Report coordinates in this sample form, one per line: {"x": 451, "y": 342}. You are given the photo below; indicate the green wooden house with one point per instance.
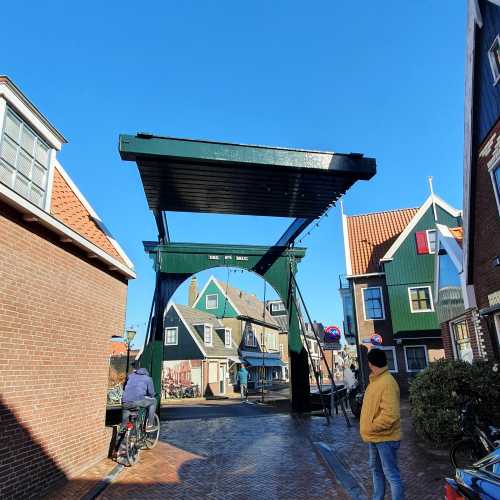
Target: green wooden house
{"x": 390, "y": 261}
{"x": 254, "y": 329}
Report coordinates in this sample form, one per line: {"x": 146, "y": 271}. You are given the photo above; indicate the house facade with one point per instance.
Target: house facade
{"x": 481, "y": 239}
{"x": 62, "y": 297}
{"x": 199, "y": 350}
{"x": 390, "y": 262}
{"x": 255, "y": 331}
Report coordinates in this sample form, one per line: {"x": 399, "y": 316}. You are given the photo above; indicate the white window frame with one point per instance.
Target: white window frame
{"x": 381, "y": 300}
{"x": 430, "y": 297}
{"x": 493, "y": 66}
{"x": 494, "y": 183}
{"x": 426, "y": 357}
{"x": 228, "y": 332}
{"x": 176, "y": 335}
{"x": 216, "y": 295}
{"x": 210, "y": 330}
{"x": 393, "y": 349}
{"x": 277, "y": 307}
{"x": 429, "y": 243}
{"x": 248, "y": 331}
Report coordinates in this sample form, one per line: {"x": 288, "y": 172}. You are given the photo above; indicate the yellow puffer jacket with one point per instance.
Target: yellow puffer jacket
{"x": 380, "y": 417}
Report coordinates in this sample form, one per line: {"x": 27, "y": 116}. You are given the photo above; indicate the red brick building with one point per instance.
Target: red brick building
{"x": 63, "y": 292}
{"x": 481, "y": 269}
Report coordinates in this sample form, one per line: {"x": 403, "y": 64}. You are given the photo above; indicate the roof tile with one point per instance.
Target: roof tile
{"x": 371, "y": 236}
{"x": 66, "y": 206}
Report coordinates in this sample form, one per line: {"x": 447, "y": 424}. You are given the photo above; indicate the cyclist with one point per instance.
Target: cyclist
{"x": 139, "y": 391}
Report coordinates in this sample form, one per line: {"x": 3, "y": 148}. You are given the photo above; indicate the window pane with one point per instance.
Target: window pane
{"x": 420, "y": 299}
{"x": 373, "y": 303}
{"x": 12, "y": 126}
{"x": 36, "y": 196}
{"x": 9, "y": 151}
{"x": 42, "y": 153}
{"x": 390, "y": 359}
{"x": 28, "y": 141}
{"x": 431, "y": 238}
{"x": 211, "y": 302}
{"x": 6, "y": 174}
{"x": 415, "y": 358}
{"x": 24, "y": 164}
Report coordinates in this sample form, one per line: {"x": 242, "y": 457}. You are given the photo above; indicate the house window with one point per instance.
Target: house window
{"x": 416, "y": 358}
{"x": 461, "y": 339}
{"x": 495, "y": 179}
{"x": 392, "y": 363}
{"x": 250, "y": 339}
{"x": 207, "y": 334}
{"x": 431, "y": 240}
{"x": 420, "y": 299}
{"x": 212, "y": 301}
{"x": 171, "y": 336}
{"x": 277, "y": 307}
{"x": 494, "y": 57}
{"x": 24, "y": 160}
{"x": 227, "y": 337}
{"x": 373, "y": 303}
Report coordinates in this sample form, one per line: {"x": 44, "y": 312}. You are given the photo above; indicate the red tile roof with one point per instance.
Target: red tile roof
{"x": 371, "y": 235}
{"x": 117, "y": 348}
{"x": 67, "y": 207}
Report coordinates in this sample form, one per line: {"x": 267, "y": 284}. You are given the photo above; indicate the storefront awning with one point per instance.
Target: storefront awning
{"x": 264, "y": 362}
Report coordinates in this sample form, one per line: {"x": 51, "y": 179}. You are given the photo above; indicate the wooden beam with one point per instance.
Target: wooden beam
{"x": 30, "y": 218}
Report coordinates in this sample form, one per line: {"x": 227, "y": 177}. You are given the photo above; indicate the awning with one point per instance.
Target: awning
{"x": 267, "y": 362}
{"x": 487, "y": 311}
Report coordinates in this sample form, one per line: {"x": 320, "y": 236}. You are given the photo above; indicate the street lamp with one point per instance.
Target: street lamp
{"x": 129, "y": 336}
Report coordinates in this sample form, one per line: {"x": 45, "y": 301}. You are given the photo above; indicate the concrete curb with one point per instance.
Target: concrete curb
{"x": 350, "y": 483}
{"x": 104, "y": 483}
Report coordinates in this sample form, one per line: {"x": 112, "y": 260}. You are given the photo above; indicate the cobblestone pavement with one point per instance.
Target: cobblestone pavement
{"x": 423, "y": 471}
{"x": 231, "y": 450}
{"x": 258, "y": 455}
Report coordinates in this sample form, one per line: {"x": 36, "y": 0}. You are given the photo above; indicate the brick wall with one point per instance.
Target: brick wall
{"x": 486, "y": 229}
{"x": 57, "y": 314}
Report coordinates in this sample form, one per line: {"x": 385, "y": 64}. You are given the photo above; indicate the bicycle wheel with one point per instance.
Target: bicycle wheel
{"x": 151, "y": 438}
{"x": 132, "y": 446}
{"x": 464, "y": 453}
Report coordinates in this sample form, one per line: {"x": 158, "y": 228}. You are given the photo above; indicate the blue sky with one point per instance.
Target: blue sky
{"x": 382, "y": 78}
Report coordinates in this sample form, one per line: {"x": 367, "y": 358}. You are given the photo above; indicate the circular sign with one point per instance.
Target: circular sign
{"x": 376, "y": 339}
{"x": 332, "y": 334}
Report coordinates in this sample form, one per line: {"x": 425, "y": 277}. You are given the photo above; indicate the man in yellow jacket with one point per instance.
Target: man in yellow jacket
{"x": 380, "y": 426}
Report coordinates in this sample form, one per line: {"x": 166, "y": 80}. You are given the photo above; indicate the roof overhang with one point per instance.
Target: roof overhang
{"x": 214, "y": 177}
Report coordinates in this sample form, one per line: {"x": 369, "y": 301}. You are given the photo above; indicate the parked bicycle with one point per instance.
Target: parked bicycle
{"x": 136, "y": 437}
{"x": 355, "y": 396}
{"x": 478, "y": 439}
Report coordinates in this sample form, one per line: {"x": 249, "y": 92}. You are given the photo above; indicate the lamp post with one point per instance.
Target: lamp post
{"x": 129, "y": 336}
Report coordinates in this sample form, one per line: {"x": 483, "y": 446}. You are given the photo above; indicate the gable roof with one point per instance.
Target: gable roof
{"x": 369, "y": 236}
{"x": 193, "y": 317}
{"x": 249, "y": 306}
{"x": 70, "y": 207}
{"x": 432, "y": 199}
{"x": 246, "y": 305}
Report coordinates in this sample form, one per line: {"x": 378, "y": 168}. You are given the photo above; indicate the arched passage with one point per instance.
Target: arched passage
{"x": 177, "y": 262}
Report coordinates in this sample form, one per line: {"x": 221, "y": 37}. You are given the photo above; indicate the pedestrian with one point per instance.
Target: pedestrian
{"x": 243, "y": 381}
{"x": 380, "y": 426}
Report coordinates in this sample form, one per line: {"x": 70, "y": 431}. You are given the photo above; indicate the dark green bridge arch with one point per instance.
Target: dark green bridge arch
{"x": 177, "y": 262}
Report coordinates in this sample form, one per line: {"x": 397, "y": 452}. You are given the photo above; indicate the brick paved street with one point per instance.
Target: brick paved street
{"x": 230, "y": 450}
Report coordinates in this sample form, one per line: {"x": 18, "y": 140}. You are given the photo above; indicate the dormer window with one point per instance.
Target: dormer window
{"x": 494, "y": 57}
{"x": 24, "y": 159}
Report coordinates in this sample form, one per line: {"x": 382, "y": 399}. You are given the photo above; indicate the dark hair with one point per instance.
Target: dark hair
{"x": 377, "y": 358}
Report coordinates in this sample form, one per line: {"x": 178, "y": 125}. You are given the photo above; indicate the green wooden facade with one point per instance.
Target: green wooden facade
{"x": 409, "y": 269}
{"x": 224, "y": 308}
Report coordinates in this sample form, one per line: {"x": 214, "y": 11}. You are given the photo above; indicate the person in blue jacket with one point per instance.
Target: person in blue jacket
{"x": 243, "y": 380}
{"x": 139, "y": 391}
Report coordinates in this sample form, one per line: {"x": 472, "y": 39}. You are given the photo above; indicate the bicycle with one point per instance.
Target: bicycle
{"x": 136, "y": 437}
{"x": 478, "y": 440}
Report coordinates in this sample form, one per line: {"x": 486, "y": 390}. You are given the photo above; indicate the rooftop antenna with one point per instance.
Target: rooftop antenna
{"x": 433, "y": 200}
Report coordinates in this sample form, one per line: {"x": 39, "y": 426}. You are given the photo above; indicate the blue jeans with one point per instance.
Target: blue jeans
{"x": 384, "y": 465}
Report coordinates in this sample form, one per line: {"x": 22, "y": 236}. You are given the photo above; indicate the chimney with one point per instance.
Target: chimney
{"x": 193, "y": 291}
